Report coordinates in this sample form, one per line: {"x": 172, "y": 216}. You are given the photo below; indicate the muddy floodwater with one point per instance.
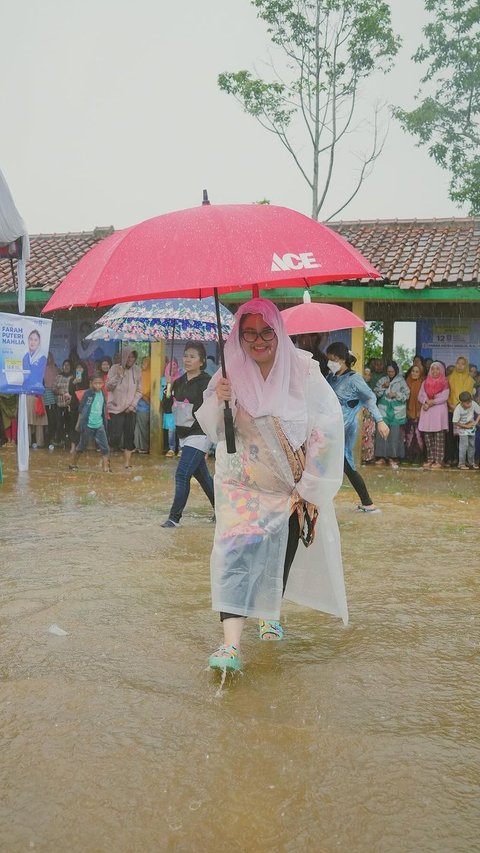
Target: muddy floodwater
{"x": 115, "y": 738}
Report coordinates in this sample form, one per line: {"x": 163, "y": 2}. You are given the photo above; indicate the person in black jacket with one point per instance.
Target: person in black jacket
{"x": 188, "y": 391}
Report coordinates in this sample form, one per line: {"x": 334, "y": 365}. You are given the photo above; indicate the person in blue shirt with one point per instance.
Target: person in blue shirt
{"x": 34, "y": 364}
{"x": 93, "y": 422}
{"x": 353, "y": 394}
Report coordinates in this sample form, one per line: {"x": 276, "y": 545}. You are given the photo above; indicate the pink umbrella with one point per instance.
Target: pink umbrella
{"x": 202, "y": 250}
{"x": 311, "y": 317}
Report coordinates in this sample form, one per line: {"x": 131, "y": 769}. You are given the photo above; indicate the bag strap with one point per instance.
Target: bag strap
{"x": 307, "y": 512}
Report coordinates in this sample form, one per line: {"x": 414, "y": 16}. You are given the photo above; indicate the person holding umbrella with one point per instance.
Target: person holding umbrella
{"x": 289, "y": 439}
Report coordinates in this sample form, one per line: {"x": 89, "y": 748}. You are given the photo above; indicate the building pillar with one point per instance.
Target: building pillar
{"x": 388, "y": 339}
{"x": 358, "y": 335}
{"x": 157, "y": 366}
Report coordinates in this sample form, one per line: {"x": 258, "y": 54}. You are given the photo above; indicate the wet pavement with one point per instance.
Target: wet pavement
{"x": 115, "y": 737}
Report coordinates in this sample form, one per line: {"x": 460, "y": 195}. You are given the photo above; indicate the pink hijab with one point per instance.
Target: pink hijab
{"x": 173, "y": 364}
{"x": 434, "y": 386}
{"x": 283, "y": 393}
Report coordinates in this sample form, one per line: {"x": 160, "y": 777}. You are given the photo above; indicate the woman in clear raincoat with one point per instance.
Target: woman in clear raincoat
{"x": 288, "y": 465}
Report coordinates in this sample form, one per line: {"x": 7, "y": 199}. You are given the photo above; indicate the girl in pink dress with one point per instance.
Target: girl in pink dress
{"x": 433, "y": 420}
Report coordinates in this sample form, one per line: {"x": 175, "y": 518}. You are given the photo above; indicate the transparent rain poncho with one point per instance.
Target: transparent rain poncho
{"x": 253, "y": 489}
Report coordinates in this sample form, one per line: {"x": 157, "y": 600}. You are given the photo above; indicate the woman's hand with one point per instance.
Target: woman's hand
{"x": 224, "y": 390}
{"x": 383, "y": 430}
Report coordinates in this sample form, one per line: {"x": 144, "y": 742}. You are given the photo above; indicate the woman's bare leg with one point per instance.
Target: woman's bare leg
{"x": 232, "y": 630}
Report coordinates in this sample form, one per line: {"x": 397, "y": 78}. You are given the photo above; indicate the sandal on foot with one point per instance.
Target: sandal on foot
{"x": 225, "y": 657}
{"x": 371, "y": 508}
{"x": 270, "y": 630}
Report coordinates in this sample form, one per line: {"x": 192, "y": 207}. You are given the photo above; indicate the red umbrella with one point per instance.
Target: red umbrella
{"x": 201, "y": 250}
{"x": 193, "y": 252}
{"x": 311, "y": 317}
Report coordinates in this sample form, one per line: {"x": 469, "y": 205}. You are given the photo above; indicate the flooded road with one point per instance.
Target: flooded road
{"x": 115, "y": 737}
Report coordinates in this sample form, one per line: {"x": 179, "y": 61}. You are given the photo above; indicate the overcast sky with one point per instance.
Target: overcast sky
{"x": 112, "y": 114}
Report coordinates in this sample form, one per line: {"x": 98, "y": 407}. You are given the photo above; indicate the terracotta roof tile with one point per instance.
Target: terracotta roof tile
{"x": 412, "y": 253}
{"x": 52, "y": 256}
{"x": 419, "y": 253}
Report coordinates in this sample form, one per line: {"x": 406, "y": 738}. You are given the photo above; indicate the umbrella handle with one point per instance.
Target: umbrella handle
{"x": 229, "y": 430}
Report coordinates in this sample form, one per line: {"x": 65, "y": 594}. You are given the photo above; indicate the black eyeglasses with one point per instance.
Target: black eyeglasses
{"x": 250, "y": 335}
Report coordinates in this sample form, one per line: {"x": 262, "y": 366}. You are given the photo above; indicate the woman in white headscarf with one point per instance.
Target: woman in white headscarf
{"x": 288, "y": 464}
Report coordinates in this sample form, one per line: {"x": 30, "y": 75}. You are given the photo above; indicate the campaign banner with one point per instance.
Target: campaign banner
{"x": 24, "y": 344}
{"x": 446, "y": 340}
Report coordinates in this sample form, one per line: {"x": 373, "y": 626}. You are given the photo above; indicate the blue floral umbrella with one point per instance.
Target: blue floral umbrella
{"x": 103, "y": 333}
{"x": 166, "y": 319}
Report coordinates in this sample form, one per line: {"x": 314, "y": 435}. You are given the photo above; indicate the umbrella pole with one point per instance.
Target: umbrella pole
{"x": 168, "y": 389}
{"x": 227, "y": 414}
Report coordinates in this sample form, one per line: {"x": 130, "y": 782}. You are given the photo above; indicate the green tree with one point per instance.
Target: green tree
{"x": 373, "y": 340}
{"x": 447, "y": 119}
{"x": 326, "y": 48}
{"x": 403, "y": 356}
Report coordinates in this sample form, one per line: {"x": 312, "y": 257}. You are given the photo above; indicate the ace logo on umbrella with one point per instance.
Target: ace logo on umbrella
{"x": 291, "y": 261}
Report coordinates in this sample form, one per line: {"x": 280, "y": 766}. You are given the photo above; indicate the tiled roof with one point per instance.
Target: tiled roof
{"x": 412, "y": 253}
{"x": 418, "y": 253}
{"x": 52, "y": 256}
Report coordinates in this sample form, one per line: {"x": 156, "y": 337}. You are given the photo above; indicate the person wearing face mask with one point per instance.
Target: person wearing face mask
{"x": 353, "y": 394}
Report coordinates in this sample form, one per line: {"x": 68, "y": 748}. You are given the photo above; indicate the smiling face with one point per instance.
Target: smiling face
{"x": 260, "y": 350}
{"x": 105, "y": 365}
{"x": 391, "y": 372}
{"x": 435, "y": 371}
{"x": 415, "y": 372}
{"x": 460, "y": 364}
{"x": 33, "y": 342}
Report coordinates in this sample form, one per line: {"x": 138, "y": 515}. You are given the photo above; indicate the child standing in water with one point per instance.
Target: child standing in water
{"x": 93, "y": 422}
{"x": 465, "y": 419}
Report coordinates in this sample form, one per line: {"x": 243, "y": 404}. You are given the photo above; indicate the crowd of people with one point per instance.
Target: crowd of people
{"x": 55, "y": 419}
{"x": 432, "y": 413}
{"x": 427, "y": 416}
{"x": 295, "y": 411}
